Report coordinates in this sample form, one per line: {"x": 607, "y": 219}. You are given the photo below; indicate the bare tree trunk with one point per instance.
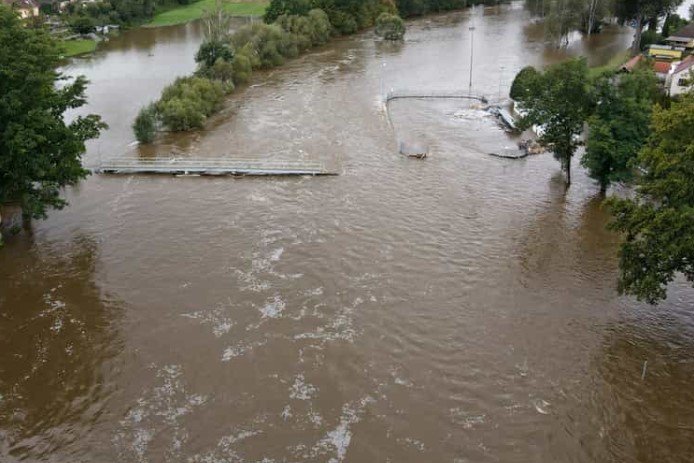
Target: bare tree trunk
{"x": 636, "y": 44}
{"x": 592, "y": 8}
{"x": 568, "y": 172}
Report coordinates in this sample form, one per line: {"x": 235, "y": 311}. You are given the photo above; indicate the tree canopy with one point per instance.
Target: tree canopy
{"x": 39, "y": 151}
{"x": 559, "y": 100}
{"x": 620, "y": 125}
{"x": 659, "y": 223}
{"x": 642, "y": 12}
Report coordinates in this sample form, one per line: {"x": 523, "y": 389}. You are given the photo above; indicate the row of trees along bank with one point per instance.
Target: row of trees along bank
{"x": 635, "y": 135}
{"x": 290, "y": 27}
{"x": 561, "y": 17}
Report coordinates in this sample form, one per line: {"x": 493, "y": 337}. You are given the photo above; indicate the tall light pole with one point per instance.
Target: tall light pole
{"x": 472, "y": 52}
{"x": 501, "y": 77}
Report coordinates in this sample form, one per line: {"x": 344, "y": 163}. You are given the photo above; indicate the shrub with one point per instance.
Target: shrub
{"x": 243, "y": 65}
{"x": 211, "y": 51}
{"x": 278, "y": 8}
{"x": 83, "y": 24}
{"x": 186, "y": 103}
{"x": 145, "y": 125}
{"x": 223, "y": 71}
{"x": 390, "y": 26}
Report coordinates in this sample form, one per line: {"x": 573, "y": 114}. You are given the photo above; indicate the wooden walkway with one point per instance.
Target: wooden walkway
{"x": 209, "y": 166}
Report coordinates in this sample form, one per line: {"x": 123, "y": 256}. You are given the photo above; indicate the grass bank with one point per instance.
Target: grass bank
{"x": 77, "y": 47}
{"x": 614, "y": 62}
{"x": 184, "y": 13}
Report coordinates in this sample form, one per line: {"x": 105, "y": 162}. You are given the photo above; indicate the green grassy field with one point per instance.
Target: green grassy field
{"x": 185, "y": 13}
{"x": 77, "y": 47}
{"x": 616, "y": 61}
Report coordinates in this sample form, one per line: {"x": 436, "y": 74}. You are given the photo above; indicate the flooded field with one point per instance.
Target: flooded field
{"x": 457, "y": 309}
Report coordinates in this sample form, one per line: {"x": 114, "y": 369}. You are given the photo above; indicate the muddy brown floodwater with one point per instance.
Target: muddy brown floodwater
{"x": 457, "y": 309}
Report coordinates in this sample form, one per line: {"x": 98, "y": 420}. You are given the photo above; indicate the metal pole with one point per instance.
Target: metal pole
{"x": 472, "y": 51}
{"x": 501, "y": 74}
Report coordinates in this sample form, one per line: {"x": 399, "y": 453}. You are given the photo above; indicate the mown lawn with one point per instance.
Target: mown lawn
{"x": 185, "y": 13}
{"x": 77, "y": 47}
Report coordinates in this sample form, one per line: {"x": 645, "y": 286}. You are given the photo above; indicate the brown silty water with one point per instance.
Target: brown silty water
{"x": 457, "y": 309}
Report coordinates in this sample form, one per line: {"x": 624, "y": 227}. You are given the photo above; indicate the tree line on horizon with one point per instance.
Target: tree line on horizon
{"x": 561, "y": 17}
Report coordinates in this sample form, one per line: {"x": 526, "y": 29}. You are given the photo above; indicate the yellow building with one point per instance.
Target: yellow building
{"x": 665, "y": 52}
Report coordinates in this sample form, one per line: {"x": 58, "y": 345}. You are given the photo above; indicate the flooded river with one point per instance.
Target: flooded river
{"x": 457, "y": 309}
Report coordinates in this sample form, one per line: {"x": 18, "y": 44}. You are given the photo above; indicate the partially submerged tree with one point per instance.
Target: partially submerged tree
{"x": 390, "y": 26}
{"x": 39, "y": 152}
{"x": 559, "y": 101}
{"x": 619, "y": 126}
{"x": 659, "y": 224}
{"x": 641, "y": 13}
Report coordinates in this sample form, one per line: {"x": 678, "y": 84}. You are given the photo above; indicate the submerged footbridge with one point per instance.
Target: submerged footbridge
{"x": 210, "y": 166}
{"x": 401, "y": 94}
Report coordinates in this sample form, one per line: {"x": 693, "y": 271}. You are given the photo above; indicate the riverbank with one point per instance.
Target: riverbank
{"x": 615, "y": 62}
{"x": 182, "y": 14}
{"x": 78, "y": 47}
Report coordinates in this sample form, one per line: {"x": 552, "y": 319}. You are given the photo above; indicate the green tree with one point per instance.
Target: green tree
{"x": 522, "y": 83}
{"x": 278, "y": 8}
{"x": 145, "y": 125}
{"x": 39, "y": 152}
{"x": 83, "y": 24}
{"x": 659, "y": 223}
{"x": 559, "y": 100}
{"x": 619, "y": 126}
{"x": 390, "y": 26}
{"x": 211, "y": 51}
{"x": 641, "y": 12}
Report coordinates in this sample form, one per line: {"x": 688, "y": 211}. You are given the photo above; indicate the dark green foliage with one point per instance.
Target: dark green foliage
{"x": 124, "y": 12}
{"x": 650, "y": 37}
{"x": 620, "y": 125}
{"x": 642, "y": 12}
{"x": 390, "y": 26}
{"x": 83, "y": 24}
{"x": 673, "y": 22}
{"x": 659, "y": 224}
{"x": 39, "y": 152}
{"x": 279, "y": 8}
{"x": 559, "y": 99}
{"x": 145, "y": 125}
{"x": 523, "y": 82}
{"x": 212, "y": 50}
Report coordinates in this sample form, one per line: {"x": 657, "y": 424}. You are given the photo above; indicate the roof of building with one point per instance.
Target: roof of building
{"x": 687, "y": 63}
{"x": 661, "y": 67}
{"x": 686, "y": 32}
{"x": 632, "y": 63}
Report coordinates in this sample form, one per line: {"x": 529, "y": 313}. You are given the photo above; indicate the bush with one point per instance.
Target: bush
{"x": 83, "y": 24}
{"x": 243, "y": 65}
{"x": 278, "y": 8}
{"x": 211, "y": 51}
{"x": 390, "y": 26}
{"x": 186, "y": 103}
{"x": 145, "y": 125}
